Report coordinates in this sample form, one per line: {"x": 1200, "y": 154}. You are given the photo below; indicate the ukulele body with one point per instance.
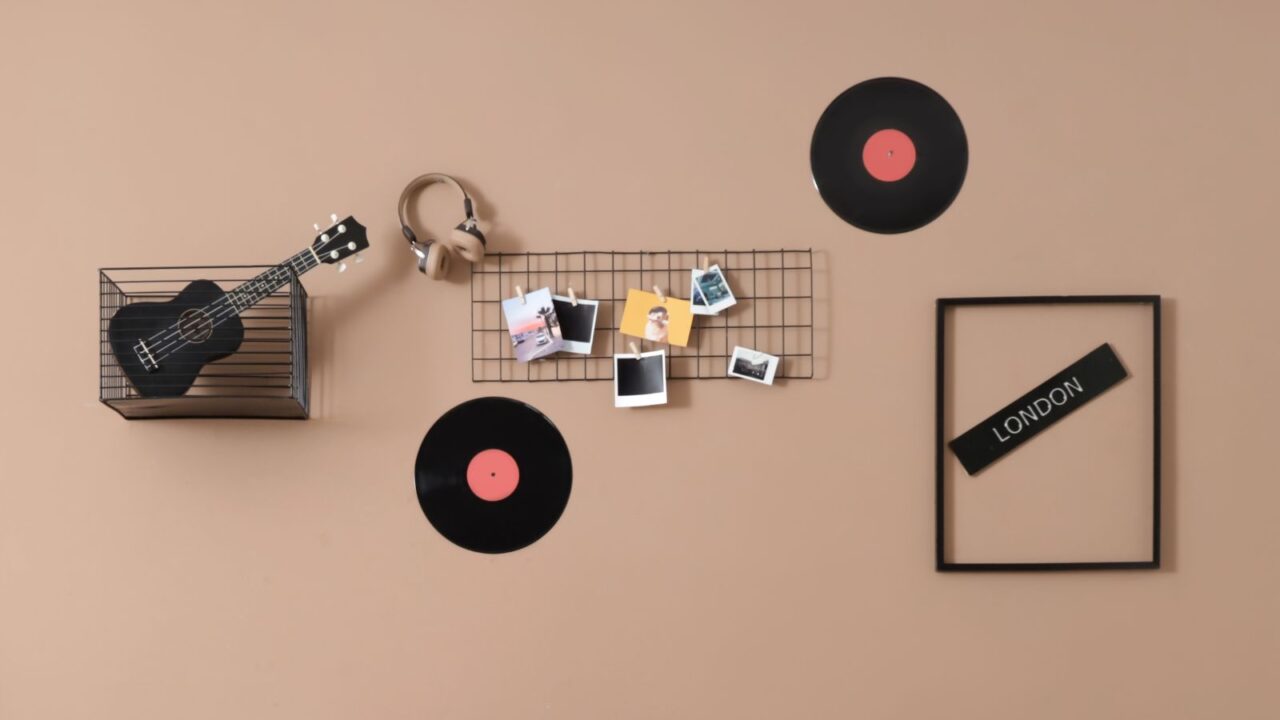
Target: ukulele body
{"x": 189, "y": 338}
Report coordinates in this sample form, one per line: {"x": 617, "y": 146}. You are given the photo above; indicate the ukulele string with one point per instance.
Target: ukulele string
{"x": 176, "y": 328}
{"x": 217, "y": 317}
{"x": 170, "y": 348}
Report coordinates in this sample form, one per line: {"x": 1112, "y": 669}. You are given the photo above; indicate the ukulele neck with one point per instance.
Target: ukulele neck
{"x": 251, "y": 292}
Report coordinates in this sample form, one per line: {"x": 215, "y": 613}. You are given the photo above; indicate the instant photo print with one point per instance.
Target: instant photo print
{"x": 663, "y": 320}
{"x": 710, "y": 293}
{"x": 753, "y": 365}
{"x": 533, "y": 325}
{"x": 577, "y": 323}
{"x": 640, "y": 380}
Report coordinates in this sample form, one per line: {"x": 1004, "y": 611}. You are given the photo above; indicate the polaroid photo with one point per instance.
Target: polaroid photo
{"x": 534, "y": 327}
{"x": 697, "y": 303}
{"x": 665, "y": 321}
{"x": 754, "y": 365}
{"x": 577, "y": 323}
{"x": 640, "y": 381}
{"x": 712, "y": 291}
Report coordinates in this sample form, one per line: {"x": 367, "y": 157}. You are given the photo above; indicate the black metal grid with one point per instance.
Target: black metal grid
{"x": 265, "y": 378}
{"x": 774, "y": 312}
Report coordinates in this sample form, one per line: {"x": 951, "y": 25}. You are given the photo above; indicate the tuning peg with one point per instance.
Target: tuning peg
{"x": 342, "y": 229}
{"x": 359, "y": 258}
{"x": 333, "y": 219}
{"x": 342, "y": 267}
{"x": 316, "y": 226}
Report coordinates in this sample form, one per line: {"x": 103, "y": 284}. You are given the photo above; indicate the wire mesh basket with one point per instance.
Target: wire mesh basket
{"x": 266, "y": 377}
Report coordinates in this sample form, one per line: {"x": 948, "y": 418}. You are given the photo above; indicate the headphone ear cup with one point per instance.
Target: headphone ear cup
{"x": 469, "y": 244}
{"x": 435, "y": 263}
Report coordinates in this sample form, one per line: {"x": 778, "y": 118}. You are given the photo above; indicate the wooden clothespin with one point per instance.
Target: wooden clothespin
{"x": 573, "y": 298}
{"x": 662, "y": 298}
{"x": 520, "y": 293}
{"x": 706, "y": 264}
{"x": 634, "y": 350}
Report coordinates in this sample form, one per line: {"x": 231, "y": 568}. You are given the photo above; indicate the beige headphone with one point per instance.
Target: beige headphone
{"x": 465, "y": 240}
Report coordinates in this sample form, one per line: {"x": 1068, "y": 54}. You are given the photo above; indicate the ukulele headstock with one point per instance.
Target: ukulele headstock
{"x": 341, "y": 240}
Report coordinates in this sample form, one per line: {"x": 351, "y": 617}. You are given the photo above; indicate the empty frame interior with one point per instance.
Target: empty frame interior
{"x": 1082, "y": 490}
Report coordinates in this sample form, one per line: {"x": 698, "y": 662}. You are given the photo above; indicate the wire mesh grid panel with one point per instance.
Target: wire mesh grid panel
{"x": 773, "y": 313}
{"x": 266, "y": 377}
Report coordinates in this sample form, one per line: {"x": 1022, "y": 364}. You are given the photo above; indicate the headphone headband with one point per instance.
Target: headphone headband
{"x": 421, "y": 182}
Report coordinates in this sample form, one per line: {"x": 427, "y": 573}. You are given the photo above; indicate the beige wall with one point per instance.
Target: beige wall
{"x": 273, "y": 569}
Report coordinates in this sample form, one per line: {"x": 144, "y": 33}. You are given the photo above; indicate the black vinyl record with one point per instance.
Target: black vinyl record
{"x": 889, "y": 155}
{"x": 493, "y": 475}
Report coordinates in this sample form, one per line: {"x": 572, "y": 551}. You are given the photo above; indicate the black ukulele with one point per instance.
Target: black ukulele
{"x": 163, "y": 346}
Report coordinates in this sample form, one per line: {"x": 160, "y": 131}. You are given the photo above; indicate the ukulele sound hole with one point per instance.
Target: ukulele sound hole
{"x": 194, "y": 325}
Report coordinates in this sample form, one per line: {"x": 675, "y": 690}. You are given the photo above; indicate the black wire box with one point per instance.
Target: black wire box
{"x": 266, "y": 377}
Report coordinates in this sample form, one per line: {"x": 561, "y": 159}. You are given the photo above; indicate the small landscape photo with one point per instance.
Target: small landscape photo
{"x": 697, "y": 304}
{"x": 753, "y": 365}
{"x": 714, "y": 290}
{"x": 534, "y": 327}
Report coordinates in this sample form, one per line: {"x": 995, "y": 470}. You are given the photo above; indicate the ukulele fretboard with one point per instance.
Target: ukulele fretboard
{"x": 253, "y": 291}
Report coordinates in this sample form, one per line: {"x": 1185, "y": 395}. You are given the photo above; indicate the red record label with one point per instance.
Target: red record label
{"x": 493, "y": 474}
{"x": 889, "y": 155}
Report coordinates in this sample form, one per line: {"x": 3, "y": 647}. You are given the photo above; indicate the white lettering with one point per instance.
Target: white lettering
{"x": 1009, "y": 428}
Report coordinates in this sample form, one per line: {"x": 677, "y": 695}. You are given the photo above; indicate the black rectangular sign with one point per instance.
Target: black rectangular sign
{"x": 1029, "y": 415}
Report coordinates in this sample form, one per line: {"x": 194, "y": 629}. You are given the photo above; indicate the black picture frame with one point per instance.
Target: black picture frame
{"x": 943, "y": 306}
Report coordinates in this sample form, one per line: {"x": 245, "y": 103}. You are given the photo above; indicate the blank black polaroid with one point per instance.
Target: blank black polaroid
{"x": 1047, "y": 434}
{"x": 577, "y": 323}
{"x": 640, "y": 380}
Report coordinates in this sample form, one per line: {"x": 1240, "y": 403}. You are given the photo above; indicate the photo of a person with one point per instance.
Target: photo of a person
{"x": 665, "y": 319}
{"x": 656, "y": 328}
